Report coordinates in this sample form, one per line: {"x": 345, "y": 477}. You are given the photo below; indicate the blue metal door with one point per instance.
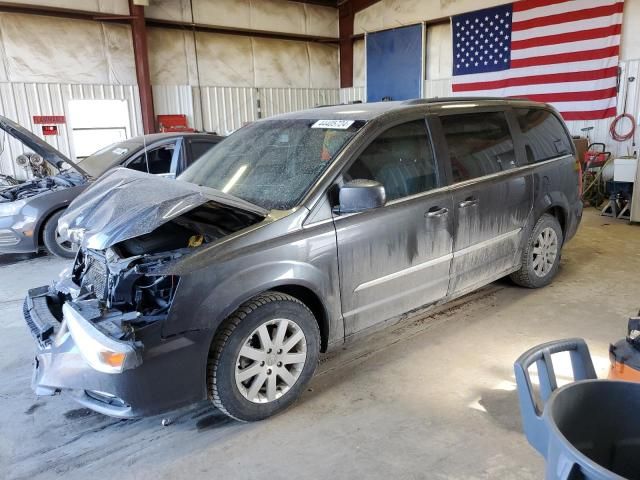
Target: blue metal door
{"x": 394, "y": 64}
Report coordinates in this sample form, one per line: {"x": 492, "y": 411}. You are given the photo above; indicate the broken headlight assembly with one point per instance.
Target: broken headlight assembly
{"x": 113, "y": 299}
{"x": 102, "y": 352}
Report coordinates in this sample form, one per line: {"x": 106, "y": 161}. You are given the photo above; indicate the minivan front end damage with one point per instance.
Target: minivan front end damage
{"x": 99, "y": 328}
{"x": 98, "y": 333}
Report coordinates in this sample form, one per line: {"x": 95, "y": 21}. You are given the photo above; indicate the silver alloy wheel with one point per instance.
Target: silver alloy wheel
{"x": 64, "y": 244}
{"x": 545, "y": 251}
{"x": 271, "y": 360}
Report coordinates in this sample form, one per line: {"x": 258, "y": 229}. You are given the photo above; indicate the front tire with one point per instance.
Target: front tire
{"x": 52, "y": 241}
{"x": 541, "y": 255}
{"x": 262, "y": 357}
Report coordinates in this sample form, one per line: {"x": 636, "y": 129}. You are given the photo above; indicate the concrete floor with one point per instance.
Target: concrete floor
{"x": 431, "y": 397}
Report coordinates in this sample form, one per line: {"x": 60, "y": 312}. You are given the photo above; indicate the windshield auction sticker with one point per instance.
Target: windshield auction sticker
{"x": 333, "y": 124}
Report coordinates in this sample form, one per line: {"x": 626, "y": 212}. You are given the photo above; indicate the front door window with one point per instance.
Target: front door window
{"x": 401, "y": 159}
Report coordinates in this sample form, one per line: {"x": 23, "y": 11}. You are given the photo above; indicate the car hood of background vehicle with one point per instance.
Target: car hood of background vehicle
{"x": 125, "y": 204}
{"x": 50, "y": 155}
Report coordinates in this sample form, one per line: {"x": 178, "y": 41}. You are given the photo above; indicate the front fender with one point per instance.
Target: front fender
{"x": 225, "y": 293}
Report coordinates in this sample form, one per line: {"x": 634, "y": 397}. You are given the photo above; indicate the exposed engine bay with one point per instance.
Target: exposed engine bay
{"x": 36, "y": 186}
{"x": 8, "y": 181}
{"x": 125, "y": 287}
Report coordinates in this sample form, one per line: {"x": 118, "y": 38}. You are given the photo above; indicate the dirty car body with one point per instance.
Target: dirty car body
{"x": 164, "y": 266}
{"x": 26, "y": 208}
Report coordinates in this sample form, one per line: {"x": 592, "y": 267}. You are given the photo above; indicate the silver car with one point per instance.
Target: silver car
{"x": 29, "y": 211}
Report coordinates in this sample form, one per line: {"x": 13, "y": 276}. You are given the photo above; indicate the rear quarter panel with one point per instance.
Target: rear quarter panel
{"x": 556, "y": 185}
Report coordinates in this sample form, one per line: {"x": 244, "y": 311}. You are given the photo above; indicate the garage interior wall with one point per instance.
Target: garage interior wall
{"x": 231, "y": 73}
{"x": 220, "y": 81}
{"x": 46, "y": 61}
{"x": 394, "y": 13}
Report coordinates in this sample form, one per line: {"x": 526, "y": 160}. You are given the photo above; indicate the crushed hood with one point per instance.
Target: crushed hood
{"x": 124, "y": 204}
{"x": 50, "y": 155}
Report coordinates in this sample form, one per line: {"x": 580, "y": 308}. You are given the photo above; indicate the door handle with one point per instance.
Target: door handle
{"x": 468, "y": 202}
{"x": 436, "y": 212}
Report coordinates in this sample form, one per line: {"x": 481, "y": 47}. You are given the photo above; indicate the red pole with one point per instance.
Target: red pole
{"x": 345, "y": 24}
{"x": 141, "y": 56}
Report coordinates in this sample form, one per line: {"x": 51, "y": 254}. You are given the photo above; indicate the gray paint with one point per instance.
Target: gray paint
{"x": 394, "y": 259}
{"x": 362, "y": 268}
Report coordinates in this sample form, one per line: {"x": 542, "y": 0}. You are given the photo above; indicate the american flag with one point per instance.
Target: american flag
{"x": 562, "y": 52}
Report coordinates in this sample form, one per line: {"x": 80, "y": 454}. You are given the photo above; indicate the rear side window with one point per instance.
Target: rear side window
{"x": 479, "y": 144}
{"x": 401, "y": 159}
{"x": 545, "y": 137}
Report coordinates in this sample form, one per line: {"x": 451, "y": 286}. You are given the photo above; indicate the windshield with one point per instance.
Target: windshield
{"x": 272, "y": 163}
{"x": 99, "y": 162}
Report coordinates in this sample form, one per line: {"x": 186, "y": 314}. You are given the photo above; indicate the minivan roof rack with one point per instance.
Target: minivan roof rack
{"x": 422, "y": 101}
{"x": 352, "y": 102}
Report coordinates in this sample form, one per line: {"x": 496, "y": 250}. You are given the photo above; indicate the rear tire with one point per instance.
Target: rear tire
{"x": 541, "y": 255}
{"x": 52, "y": 242}
{"x": 262, "y": 357}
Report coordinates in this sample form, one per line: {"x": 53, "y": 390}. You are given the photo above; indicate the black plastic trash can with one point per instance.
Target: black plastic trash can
{"x": 589, "y": 429}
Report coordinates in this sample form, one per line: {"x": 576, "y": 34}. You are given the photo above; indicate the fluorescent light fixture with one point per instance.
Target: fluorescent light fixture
{"x": 234, "y": 179}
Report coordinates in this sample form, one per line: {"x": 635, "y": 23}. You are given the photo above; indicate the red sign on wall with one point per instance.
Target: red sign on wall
{"x": 45, "y": 119}
{"x": 49, "y": 130}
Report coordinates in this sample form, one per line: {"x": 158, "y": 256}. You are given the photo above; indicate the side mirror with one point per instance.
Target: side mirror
{"x": 360, "y": 195}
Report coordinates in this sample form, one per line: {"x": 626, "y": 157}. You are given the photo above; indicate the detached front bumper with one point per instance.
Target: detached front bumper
{"x": 171, "y": 372}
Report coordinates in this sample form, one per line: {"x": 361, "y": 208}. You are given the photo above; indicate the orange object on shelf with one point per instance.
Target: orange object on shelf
{"x": 174, "y": 123}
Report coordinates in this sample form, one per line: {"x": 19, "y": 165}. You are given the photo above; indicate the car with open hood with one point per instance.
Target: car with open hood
{"x": 29, "y": 211}
{"x": 295, "y": 234}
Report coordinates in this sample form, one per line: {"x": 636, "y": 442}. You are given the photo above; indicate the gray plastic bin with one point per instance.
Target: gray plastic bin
{"x": 589, "y": 429}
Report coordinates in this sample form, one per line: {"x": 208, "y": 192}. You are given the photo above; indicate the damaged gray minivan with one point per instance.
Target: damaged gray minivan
{"x": 291, "y": 236}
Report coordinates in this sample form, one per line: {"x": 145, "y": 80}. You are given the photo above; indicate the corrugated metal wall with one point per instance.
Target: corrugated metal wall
{"x": 21, "y": 101}
{"x": 274, "y": 101}
{"x": 173, "y": 99}
{"x": 225, "y": 109}
{"x": 353, "y": 94}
